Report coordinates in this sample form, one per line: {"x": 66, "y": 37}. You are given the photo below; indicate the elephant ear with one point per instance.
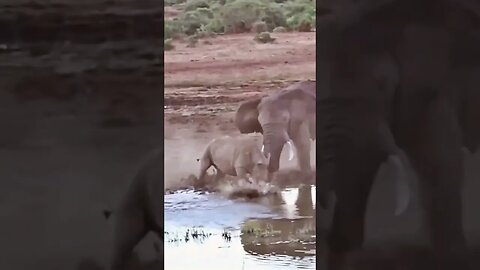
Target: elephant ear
{"x": 246, "y": 117}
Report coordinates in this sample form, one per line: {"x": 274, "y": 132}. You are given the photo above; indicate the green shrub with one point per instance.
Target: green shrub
{"x": 174, "y": 2}
{"x": 274, "y": 16}
{"x": 205, "y": 18}
{"x": 301, "y": 22}
{"x": 202, "y": 32}
{"x": 264, "y": 37}
{"x": 301, "y": 15}
{"x": 259, "y": 27}
{"x": 215, "y": 26}
{"x": 191, "y": 21}
{"x": 280, "y": 29}
{"x": 296, "y": 7}
{"x": 195, "y": 4}
{"x": 172, "y": 29}
{"x": 168, "y": 45}
{"x": 240, "y": 15}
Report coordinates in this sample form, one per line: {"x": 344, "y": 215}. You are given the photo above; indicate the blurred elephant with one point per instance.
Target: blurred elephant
{"x": 415, "y": 102}
{"x": 282, "y": 116}
{"x": 139, "y": 212}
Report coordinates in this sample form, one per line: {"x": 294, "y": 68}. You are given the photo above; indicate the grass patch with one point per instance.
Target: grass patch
{"x": 256, "y": 229}
{"x": 190, "y": 234}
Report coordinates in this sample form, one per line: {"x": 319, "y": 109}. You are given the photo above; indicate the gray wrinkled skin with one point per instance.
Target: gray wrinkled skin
{"x": 287, "y": 115}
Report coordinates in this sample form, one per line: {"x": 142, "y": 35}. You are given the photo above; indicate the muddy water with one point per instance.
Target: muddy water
{"x": 208, "y": 231}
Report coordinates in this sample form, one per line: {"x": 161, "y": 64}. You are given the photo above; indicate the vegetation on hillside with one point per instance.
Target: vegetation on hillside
{"x": 206, "y": 18}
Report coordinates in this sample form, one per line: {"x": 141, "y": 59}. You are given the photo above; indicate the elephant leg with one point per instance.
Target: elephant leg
{"x": 204, "y": 165}
{"x": 301, "y": 140}
{"x": 353, "y": 181}
{"x": 129, "y": 230}
{"x": 219, "y": 175}
{"x": 312, "y": 128}
{"x": 241, "y": 172}
{"x": 324, "y": 184}
{"x": 438, "y": 160}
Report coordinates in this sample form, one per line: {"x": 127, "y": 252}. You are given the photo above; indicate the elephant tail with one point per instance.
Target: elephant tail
{"x": 402, "y": 188}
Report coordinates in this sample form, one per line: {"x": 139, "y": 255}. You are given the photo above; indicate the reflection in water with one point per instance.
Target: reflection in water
{"x": 292, "y": 236}
{"x": 274, "y": 232}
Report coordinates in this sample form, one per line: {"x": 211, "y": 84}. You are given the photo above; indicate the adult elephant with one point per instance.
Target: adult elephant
{"x": 286, "y": 115}
{"x": 426, "y": 115}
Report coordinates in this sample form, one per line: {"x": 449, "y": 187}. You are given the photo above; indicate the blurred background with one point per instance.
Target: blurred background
{"x": 80, "y": 107}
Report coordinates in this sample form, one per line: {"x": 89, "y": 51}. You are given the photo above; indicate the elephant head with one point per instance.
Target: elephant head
{"x": 283, "y": 117}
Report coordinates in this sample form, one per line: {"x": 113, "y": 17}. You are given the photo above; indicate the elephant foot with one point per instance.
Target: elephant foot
{"x": 452, "y": 262}
{"x": 199, "y": 186}
{"x": 308, "y": 177}
{"x": 270, "y": 177}
{"x": 337, "y": 261}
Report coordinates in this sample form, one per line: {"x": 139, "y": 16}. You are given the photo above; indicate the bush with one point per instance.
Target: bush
{"x": 205, "y": 18}
{"x": 191, "y": 21}
{"x": 301, "y": 15}
{"x": 172, "y": 29}
{"x": 280, "y": 29}
{"x": 195, "y": 4}
{"x": 240, "y": 15}
{"x": 296, "y": 7}
{"x": 167, "y": 45}
{"x": 259, "y": 27}
{"x": 264, "y": 37}
{"x": 202, "y": 32}
{"x": 173, "y": 2}
{"x": 215, "y": 26}
{"x": 301, "y": 22}
{"x": 274, "y": 17}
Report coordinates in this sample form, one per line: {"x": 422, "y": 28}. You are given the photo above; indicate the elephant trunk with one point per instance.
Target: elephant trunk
{"x": 273, "y": 141}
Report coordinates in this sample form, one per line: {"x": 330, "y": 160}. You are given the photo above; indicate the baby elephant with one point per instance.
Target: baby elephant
{"x": 236, "y": 156}
{"x": 139, "y": 212}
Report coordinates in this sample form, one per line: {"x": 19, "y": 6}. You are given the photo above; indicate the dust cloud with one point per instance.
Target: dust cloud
{"x": 184, "y": 146}
{"x": 182, "y": 149}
